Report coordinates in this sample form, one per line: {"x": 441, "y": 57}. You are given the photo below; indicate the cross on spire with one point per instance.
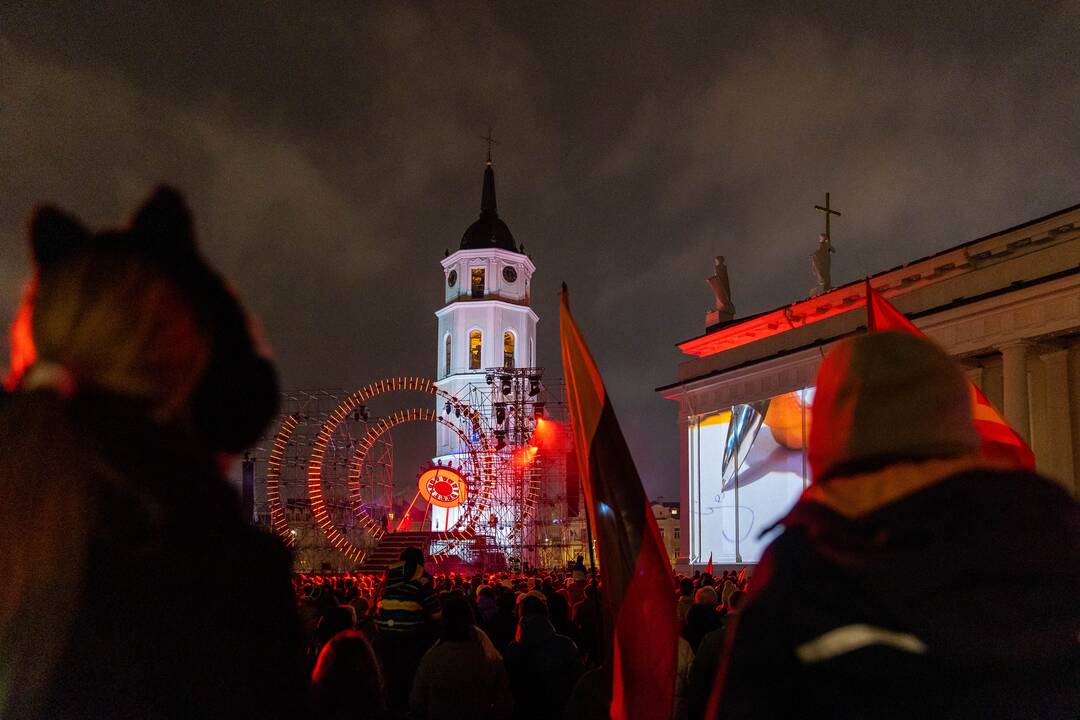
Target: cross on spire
{"x": 490, "y": 141}
{"x": 828, "y": 211}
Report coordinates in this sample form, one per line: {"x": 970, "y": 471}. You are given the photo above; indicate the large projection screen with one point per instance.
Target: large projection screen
{"x": 747, "y": 468}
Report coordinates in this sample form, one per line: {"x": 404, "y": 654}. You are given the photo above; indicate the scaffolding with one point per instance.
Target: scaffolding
{"x": 281, "y": 463}
{"x": 535, "y": 514}
{"x": 514, "y": 440}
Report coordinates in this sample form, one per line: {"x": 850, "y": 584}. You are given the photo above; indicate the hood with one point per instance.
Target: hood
{"x": 885, "y": 397}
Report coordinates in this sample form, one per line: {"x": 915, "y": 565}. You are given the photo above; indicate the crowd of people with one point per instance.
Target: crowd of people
{"x": 912, "y": 579}
{"x": 497, "y": 645}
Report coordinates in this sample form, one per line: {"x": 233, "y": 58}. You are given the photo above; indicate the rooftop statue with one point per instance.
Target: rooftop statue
{"x": 721, "y": 288}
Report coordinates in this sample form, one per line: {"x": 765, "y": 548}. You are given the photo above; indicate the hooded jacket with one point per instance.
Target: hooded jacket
{"x": 906, "y": 586}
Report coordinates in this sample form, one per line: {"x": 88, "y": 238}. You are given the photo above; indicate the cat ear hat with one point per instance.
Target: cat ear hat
{"x": 238, "y": 393}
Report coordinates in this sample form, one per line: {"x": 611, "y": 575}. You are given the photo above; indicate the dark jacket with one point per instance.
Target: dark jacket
{"x": 543, "y": 668}
{"x": 955, "y": 597}
{"x": 461, "y": 680}
{"x": 175, "y": 608}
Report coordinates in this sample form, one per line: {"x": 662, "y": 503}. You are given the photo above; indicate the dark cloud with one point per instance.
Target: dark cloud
{"x": 332, "y": 152}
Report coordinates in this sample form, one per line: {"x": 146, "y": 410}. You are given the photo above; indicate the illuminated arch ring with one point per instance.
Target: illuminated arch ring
{"x": 476, "y": 502}
{"x": 278, "y": 521}
{"x": 347, "y": 406}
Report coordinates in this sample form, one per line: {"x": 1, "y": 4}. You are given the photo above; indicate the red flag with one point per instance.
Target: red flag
{"x": 637, "y": 581}
{"x": 708, "y": 568}
{"x": 1000, "y": 442}
{"x": 742, "y": 576}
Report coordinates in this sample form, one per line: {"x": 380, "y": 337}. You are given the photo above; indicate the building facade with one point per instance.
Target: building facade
{"x": 1006, "y": 306}
{"x": 668, "y": 519}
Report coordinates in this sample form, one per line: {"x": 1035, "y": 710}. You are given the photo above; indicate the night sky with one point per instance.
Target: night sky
{"x": 331, "y": 153}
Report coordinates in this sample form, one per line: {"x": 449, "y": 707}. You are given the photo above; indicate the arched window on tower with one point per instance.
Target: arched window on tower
{"x": 478, "y": 282}
{"x": 449, "y": 346}
{"x": 508, "y": 350}
{"x": 474, "y": 349}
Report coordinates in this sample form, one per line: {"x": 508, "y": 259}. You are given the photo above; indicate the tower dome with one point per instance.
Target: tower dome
{"x": 489, "y": 231}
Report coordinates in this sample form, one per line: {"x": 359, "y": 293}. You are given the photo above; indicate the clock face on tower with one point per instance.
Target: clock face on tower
{"x": 451, "y": 279}
{"x": 509, "y": 274}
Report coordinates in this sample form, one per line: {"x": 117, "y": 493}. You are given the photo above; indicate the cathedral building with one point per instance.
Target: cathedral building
{"x": 1006, "y": 306}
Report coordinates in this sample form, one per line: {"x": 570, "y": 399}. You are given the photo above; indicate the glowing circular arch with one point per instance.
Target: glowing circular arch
{"x": 352, "y": 403}
{"x": 364, "y": 445}
{"x": 278, "y": 521}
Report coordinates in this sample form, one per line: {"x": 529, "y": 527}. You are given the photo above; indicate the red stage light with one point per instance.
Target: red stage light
{"x": 525, "y": 456}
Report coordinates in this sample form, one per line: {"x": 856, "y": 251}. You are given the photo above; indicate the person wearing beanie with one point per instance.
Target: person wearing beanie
{"x": 883, "y": 596}
{"x": 113, "y": 509}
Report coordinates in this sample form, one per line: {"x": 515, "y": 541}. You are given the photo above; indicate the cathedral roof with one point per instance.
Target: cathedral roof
{"x": 489, "y": 231}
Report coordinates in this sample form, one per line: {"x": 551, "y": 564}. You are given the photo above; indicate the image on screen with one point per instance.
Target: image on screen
{"x": 747, "y": 468}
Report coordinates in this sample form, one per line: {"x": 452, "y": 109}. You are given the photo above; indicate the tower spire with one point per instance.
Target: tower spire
{"x": 490, "y": 141}
{"x": 487, "y": 198}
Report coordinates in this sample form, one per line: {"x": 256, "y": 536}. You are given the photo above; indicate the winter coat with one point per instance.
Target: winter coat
{"x": 935, "y": 589}
{"x": 543, "y": 668}
{"x": 461, "y": 680}
{"x": 173, "y": 607}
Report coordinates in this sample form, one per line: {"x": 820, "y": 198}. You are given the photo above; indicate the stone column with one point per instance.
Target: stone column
{"x": 1015, "y": 382}
{"x": 1059, "y": 463}
{"x": 686, "y": 505}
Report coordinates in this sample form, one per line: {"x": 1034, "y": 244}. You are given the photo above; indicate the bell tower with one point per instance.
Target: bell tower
{"x": 486, "y": 322}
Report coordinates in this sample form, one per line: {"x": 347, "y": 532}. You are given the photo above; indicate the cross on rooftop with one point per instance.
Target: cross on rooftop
{"x": 827, "y": 210}
{"x": 490, "y": 141}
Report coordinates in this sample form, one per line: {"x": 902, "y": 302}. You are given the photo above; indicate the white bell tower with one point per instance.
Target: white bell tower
{"x": 486, "y": 321}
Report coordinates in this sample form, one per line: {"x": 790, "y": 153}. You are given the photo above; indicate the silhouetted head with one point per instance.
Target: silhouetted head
{"x": 347, "y": 675}
{"x": 457, "y": 618}
{"x": 138, "y": 313}
{"x": 412, "y": 556}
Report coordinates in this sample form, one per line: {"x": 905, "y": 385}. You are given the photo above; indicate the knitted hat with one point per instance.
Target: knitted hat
{"x": 888, "y": 397}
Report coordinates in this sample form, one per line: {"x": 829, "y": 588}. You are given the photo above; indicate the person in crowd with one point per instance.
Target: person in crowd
{"x": 338, "y": 619}
{"x": 686, "y": 598}
{"x": 462, "y": 675}
{"x": 591, "y": 697}
{"x": 559, "y": 614}
{"x": 727, "y": 587}
{"x": 543, "y": 665}
{"x": 504, "y": 623}
{"x": 136, "y": 377}
{"x": 588, "y": 621}
{"x": 406, "y": 619}
{"x": 347, "y": 681}
{"x": 579, "y": 571}
{"x": 702, "y": 618}
{"x": 699, "y": 681}
{"x": 886, "y": 593}
{"x": 575, "y": 588}
{"x": 486, "y": 607}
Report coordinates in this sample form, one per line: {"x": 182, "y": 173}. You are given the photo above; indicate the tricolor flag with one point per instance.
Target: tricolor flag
{"x": 1000, "y": 442}
{"x": 638, "y": 586}
{"x": 708, "y": 568}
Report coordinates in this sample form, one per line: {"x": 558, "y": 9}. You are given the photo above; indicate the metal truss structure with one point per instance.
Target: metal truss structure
{"x": 533, "y": 519}
{"x": 283, "y": 501}
{"x": 329, "y": 472}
